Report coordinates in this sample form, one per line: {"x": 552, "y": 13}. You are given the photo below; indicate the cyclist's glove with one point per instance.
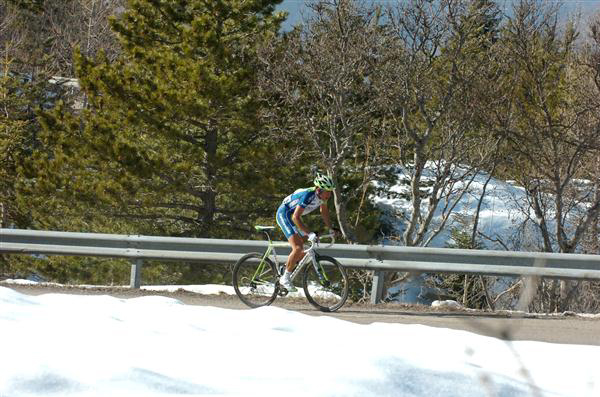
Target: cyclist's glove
{"x": 312, "y": 237}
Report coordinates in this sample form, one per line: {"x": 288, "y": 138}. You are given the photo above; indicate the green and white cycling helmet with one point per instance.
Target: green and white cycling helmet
{"x": 324, "y": 182}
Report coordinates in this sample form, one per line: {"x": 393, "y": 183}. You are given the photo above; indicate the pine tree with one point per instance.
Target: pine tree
{"x": 172, "y": 139}
{"x": 16, "y": 143}
{"x": 23, "y": 88}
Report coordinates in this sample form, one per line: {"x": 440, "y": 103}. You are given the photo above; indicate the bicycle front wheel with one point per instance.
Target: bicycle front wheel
{"x": 255, "y": 280}
{"x": 326, "y": 284}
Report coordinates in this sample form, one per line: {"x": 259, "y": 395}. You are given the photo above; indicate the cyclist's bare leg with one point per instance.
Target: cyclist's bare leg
{"x": 297, "y": 244}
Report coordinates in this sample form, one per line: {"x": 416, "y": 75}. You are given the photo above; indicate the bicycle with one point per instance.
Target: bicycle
{"x": 256, "y": 276}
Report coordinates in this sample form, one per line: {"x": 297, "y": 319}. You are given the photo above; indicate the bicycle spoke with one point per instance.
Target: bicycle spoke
{"x": 254, "y": 280}
{"x": 326, "y": 287}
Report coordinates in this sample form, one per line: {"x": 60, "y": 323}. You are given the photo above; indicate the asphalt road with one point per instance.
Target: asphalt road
{"x": 509, "y": 326}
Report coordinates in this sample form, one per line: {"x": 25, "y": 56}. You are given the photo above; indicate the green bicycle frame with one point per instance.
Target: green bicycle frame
{"x": 262, "y": 263}
{"x": 310, "y": 255}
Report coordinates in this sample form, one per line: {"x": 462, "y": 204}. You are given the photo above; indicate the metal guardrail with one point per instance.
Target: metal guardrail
{"x": 369, "y": 257}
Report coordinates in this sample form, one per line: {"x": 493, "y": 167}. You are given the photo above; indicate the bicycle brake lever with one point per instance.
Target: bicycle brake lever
{"x": 329, "y": 236}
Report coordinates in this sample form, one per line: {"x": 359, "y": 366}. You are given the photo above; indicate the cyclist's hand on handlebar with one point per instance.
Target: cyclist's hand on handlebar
{"x": 312, "y": 237}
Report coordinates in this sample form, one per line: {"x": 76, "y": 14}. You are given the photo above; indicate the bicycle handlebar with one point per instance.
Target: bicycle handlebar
{"x": 318, "y": 240}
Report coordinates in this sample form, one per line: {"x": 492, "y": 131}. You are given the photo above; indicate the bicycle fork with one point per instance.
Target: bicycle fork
{"x": 323, "y": 280}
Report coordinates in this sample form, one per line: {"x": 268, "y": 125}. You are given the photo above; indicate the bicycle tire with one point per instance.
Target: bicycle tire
{"x": 255, "y": 287}
{"x": 330, "y": 293}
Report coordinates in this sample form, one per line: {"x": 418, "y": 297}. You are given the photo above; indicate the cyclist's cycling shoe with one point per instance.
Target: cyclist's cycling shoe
{"x": 286, "y": 283}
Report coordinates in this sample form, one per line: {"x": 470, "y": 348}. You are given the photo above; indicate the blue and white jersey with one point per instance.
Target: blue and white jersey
{"x": 305, "y": 198}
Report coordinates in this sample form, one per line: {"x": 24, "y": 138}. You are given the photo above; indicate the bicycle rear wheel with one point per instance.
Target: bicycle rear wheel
{"x": 326, "y": 290}
{"x": 255, "y": 280}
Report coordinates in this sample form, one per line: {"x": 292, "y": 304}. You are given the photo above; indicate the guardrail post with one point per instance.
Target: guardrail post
{"x": 136, "y": 273}
{"x": 377, "y": 288}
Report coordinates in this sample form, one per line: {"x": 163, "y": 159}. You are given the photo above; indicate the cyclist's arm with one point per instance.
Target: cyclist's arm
{"x": 298, "y": 222}
{"x": 325, "y": 215}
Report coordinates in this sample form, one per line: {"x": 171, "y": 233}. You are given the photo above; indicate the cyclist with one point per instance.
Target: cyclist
{"x": 288, "y": 217}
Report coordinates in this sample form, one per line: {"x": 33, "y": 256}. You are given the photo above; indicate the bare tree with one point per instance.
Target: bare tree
{"x": 553, "y": 131}
{"x": 84, "y": 24}
{"x": 589, "y": 292}
{"x": 429, "y": 94}
{"x": 52, "y": 30}
{"x": 438, "y": 59}
{"x": 321, "y": 74}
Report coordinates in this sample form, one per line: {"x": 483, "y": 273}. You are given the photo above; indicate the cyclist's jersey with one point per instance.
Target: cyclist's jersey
{"x": 305, "y": 198}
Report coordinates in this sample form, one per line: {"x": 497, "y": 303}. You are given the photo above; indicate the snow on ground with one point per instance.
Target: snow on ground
{"x": 215, "y": 289}
{"x": 65, "y": 345}
{"x": 206, "y": 289}
{"x": 501, "y": 210}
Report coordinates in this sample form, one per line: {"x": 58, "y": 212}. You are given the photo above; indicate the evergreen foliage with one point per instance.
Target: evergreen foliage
{"x": 17, "y": 141}
{"x": 171, "y": 140}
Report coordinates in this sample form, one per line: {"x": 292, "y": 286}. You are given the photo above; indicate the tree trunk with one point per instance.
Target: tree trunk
{"x": 465, "y": 298}
{"x": 342, "y": 216}
{"x": 209, "y": 194}
{"x": 415, "y": 184}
